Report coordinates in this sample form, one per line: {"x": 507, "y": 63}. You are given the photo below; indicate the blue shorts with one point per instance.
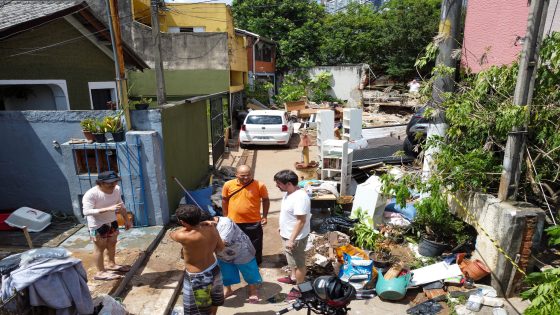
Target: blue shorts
{"x": 230, "y": 272}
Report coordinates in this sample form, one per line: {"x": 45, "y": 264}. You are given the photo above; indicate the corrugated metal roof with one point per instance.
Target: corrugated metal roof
{"x": 20, "y": 11}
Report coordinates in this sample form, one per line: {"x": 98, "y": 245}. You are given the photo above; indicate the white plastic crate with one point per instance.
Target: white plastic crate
{"x": 35, "y": 220}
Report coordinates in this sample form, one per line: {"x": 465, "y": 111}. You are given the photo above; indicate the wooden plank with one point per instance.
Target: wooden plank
{"x": 156, "y": 286}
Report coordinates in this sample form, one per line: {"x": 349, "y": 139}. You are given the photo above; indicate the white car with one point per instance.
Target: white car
{"x": 267, "y": 127}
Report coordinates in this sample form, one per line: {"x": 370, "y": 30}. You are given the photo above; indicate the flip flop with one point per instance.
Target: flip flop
{"x": 107, "y": 277}
{"x": 120, "y": 268}
{"x": 253, "y": 299}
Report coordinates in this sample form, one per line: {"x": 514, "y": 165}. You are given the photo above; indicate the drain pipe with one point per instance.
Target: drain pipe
{"x": 254, "y": 60}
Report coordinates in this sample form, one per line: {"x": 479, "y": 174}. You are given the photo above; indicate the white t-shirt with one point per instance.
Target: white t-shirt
{"x": 93, "y": 200}
{"x": 296, "y": 203}
{"x": 414, "y": 87}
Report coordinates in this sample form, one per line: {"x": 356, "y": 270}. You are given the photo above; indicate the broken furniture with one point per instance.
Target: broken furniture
{"x": 336, "y": 164}
{"x": 352, "y": 124}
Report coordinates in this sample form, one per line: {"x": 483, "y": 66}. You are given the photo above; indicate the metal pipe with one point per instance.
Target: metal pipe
{"x": 116, "y": 60}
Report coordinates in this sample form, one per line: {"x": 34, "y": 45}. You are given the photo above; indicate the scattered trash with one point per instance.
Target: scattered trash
{"x": 107, "y": 305}
{"x": 434, "y": 272}
{"x": 474, "y": 303}
{"x": 429, "y": 307}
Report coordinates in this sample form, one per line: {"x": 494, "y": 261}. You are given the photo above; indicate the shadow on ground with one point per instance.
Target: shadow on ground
{"x": 240, "y": 296}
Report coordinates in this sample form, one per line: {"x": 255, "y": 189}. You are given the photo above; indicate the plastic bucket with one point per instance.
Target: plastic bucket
{"x": 392, "y": 289}
{"x": 429, "y": 248}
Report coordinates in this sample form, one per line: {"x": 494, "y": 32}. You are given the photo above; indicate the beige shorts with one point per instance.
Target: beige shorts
{"x": 296, "y": 256}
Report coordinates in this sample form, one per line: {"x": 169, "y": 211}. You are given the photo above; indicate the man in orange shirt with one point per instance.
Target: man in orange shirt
{"x": 241, "y": 202}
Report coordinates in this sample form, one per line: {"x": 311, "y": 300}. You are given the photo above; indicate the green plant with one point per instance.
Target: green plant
{"x": 260, "y": 91}
{"x": 294, "y": 87}
{"x": 112, "y": 123}
{"x": 141, "y": 100}
{"x": 100, "y": 126}
{"x": 320, "y": 86}
{"x": 88, "y": 124}
{"x": 544, "y": 293}
{"x": 364, "y": 236}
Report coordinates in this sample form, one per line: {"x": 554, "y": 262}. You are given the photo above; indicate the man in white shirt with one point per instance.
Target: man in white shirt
{"x": 295, "y": 217}
{"x": 414, "y": 87}
{"x": 101, "y": 204}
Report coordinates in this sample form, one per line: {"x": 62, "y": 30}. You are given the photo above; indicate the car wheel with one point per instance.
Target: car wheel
{"x": 409, "y": 147}
{"x": 242, "y": 145}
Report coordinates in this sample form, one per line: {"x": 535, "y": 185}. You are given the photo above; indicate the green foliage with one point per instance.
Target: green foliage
{"x": 554, "y": 235}
{"x": 88, "y": 124}
{"x": 388, "y": 39}
{"x": 320, "y": 86}
{"x": 294, "y": 87}
{"x": 544, "y": 293}
{"x": 363, "y": 234}
{"x": 259, "y": 91}
{"x": 433, "y": 217}
{"x": 112, "y": 123}
{"x": 294, "y": 24}
{"x": 141, "y": 100}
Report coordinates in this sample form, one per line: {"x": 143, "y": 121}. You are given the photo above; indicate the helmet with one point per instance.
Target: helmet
{"x": 333, "y": 291}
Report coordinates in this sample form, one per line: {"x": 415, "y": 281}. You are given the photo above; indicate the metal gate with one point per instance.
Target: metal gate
{"x": 122, "y": 157}
{"x": 217, "y": 128}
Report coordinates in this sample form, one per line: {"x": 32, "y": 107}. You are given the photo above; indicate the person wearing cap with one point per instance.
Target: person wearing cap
{"x": 100, "y": 206}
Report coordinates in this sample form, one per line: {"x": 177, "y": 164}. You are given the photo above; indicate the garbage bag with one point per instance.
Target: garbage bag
{"x": 430, "y": 307}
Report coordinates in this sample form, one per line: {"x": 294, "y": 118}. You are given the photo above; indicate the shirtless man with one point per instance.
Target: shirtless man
{"x": 203, "y": 289}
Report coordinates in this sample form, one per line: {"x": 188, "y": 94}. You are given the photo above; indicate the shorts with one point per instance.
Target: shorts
{"x": 202, "y": 290}
{"x": 296, "y": 256}
{"x": 106, "y": 230}
{"x": 249, "y": 271}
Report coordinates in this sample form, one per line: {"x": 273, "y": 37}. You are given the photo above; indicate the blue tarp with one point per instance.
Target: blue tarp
{"x": 202, "y": 198}
{"x": 408, "y": 212}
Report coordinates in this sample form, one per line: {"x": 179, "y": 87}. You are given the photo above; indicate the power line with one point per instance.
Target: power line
{"x": 60, "y": 43}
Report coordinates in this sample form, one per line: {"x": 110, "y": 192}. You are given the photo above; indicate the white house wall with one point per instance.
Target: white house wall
{"x": 345, "y": 82}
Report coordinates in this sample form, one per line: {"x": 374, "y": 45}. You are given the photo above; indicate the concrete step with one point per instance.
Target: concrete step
{"x": 154, "y": 287}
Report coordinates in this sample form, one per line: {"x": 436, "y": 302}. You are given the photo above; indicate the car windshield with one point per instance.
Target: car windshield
{"x": 264, "y": 120}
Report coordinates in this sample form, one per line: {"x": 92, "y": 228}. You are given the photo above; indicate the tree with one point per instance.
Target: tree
{"x": 294, "y": 24}
{"x": 407, "y": 27}
{"x": 351, "y": 36}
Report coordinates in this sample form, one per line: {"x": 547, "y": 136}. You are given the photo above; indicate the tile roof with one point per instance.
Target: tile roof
{"x": 20, "y": 11}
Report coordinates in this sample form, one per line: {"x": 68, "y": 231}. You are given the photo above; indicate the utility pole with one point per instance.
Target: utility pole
{"x": 156, "y": 36}
{"x": 116, "y": 42}
{"x": 515, "y": 147}
{"x": 448, "y": 30}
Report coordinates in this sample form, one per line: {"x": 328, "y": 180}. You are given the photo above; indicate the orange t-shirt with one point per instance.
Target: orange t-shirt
{"x": 245, "y": 206}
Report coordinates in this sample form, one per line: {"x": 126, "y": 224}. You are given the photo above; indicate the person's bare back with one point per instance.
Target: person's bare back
{"x": 199, "y": 245}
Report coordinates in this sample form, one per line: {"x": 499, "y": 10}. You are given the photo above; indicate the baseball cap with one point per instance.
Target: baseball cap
{"x": 108, "y": 177}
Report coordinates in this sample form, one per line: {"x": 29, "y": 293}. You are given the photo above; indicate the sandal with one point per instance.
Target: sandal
{"x": 254, "y": 299}
{"x": 107, "y": 276}
{"x": 287, "y": 280}
{"x": 120, "y": 268}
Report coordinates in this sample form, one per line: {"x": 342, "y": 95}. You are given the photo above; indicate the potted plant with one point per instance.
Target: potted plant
{"x": 113, "y": 124}
{"x": 88, "y": 127}
{"x": 100, "y": 130}
{"x": 141, "y": 104}
{"x": 439, "y": 229}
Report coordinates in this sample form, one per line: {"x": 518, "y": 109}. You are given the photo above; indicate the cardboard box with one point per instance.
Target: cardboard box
{"x": 297, "y": 105}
